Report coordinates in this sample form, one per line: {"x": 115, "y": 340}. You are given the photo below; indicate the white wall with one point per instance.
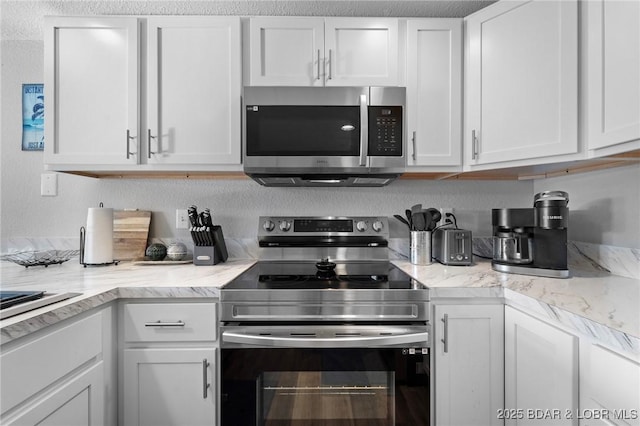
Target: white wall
{"x": 604, "y": 206}
{"x": 236, "y": 204}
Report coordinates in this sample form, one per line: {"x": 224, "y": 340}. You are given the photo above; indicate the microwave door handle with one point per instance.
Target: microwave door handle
{"x": 364, "y": 130}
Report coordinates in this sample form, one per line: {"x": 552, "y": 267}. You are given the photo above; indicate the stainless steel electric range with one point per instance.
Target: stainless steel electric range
{"x": 324, "y": 330}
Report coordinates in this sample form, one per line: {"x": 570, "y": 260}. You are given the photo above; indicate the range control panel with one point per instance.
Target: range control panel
{"x": 324, "y": 226}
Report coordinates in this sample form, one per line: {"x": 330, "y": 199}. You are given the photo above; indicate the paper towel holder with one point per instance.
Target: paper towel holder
{"x": 83, "y": 240}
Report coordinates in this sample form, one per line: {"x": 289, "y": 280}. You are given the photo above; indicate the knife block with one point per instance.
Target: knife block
{"x": 203, "y": 252}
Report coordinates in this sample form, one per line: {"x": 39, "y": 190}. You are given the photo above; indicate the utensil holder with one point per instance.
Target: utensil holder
{"x": 209, "y": 246}
{"x": 420, "y": 247}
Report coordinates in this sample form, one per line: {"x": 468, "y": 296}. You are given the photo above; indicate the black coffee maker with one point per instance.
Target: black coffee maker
{"x": 532, "y": 241}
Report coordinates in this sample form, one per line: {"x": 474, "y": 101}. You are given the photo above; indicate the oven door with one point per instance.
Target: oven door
{"x": 325, "y": 375}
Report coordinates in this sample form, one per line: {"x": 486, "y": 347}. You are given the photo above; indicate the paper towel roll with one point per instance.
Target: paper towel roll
{"x": 99, "y": 236}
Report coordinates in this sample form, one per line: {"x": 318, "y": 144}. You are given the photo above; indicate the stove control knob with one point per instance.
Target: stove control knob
{"x": 285, "y": 226}
{"x": 361, "y": 226}
{"x": 268, "y": 225}
{"x": 377, "y": 226}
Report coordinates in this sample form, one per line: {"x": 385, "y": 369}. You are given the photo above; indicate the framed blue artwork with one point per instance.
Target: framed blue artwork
{"x": 33, "y": 117}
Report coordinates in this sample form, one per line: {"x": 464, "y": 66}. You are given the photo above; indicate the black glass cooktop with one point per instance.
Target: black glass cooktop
{"x": 308, "y": 275}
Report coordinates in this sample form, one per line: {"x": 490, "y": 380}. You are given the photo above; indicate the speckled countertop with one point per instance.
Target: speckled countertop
{"x": 597, "y": 303}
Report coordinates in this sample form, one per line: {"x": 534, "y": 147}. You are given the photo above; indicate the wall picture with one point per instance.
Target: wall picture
{"x": 32, "y": 117}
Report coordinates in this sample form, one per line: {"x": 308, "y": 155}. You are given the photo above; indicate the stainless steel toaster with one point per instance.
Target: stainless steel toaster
{"x": 452, "y": 246}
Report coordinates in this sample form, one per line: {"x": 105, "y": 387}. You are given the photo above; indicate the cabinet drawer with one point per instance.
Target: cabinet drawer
{"x": 32, "y": 367}
{"x": 170, "y": 322}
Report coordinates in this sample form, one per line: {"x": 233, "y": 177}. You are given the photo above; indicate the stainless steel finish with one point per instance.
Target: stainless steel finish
{"x": 513, "y": 247}
{"x": 527, "y": 270}
{"x": 164, "y": 324}
{"x": 270, "y": 227}
{"x": 324, "y": 336}
{"x": 474, "y": 145}
{"x": 413, "y": 143}
{"x": 445, "y": 339}
{"x": 319, "y": 75}
{"x": 47, "y": 299}
{"x": 315, "y": 306}
{"x": 452, "y": 246}
{"x": 339, "y": 170}
{"x": 420, "y": 247}
{"x": 129, "y": 137}
{"x": 330, "y": 64}
{"x": 149, "y": 137}
{"x": 551, "y": 195}
{"x": 364, "y": 130}
{"x": 205, "y": 379}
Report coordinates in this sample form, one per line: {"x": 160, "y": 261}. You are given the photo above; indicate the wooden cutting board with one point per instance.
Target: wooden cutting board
{"x": 130, "y": 233}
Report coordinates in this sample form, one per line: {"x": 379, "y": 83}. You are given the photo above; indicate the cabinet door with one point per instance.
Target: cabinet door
{"x": 80, "y": 402}
{"x": 468, "y": 365}
{"x": 613, "y": 73}
{"x": 522, "y": 81}
{"x": 286, "y": 51}
{"x": 91, "y": 90}
{"x": 434, "y": 92}
{"x": 169, "y": 386}
{"x": 541, "y": 371}
{"x": 361, "y": 51}
{"x": 610, "y": 383}
{"x": 194, "y": 89}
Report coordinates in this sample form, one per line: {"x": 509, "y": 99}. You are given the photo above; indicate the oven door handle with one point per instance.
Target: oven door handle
{"x": 308, "y": 340}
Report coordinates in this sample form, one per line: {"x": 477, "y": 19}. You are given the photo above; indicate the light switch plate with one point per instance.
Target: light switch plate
{"x": 182, "y": 219}
{"x": 48, "y": 184}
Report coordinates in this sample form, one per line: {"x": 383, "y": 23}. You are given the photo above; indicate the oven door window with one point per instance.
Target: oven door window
{"x": 303, "y": 130}
{"x": 295, "y": 387}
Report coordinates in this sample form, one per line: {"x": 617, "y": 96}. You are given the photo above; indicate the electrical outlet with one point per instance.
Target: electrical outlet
{"x": 443, "y": 212}
{"x": 182, "y": 219}
{"x": 48, "y": 184}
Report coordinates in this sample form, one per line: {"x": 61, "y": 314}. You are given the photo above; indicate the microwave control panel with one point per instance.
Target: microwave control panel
{"x": 385, "y": 131}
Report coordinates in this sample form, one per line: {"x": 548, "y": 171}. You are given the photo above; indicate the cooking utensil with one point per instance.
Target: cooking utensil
{"x": 418, "y": 220}
{"x": 407, "y": 213}
{"x": 403, "y": 220}
{"x": 435, "y": 217}
{"x": 429, "y": 224}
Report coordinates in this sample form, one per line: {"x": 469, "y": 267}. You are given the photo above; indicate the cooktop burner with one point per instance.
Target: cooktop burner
{"x": 301, "y": 275}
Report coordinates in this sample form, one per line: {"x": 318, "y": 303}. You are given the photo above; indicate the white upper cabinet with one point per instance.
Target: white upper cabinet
{"x": 361, "y": 51}
{"x": 301, "y": 51}
{"x": 91, "y": 90}
{"x": 193, "y": 87}
{"x": 613, "y": 74}
{"x": 434, "y": 92}
{"x": 286, "y": 51}
{"x": 521, "y": 82}
{"x": 94, "y": 82}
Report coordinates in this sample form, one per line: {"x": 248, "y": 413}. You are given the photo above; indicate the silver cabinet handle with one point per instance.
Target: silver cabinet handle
{"x": 330, "y": 74}
{"x": 413, "y": 142}
{"x": 419, "y": 338}
{"x": 205, "y": 380}
{"x": 149, "y": 137}
{"x": 474, "y": 145}
{"x": 445, "y": 338}
{"x": 129, "y": 137}
{"x": 318, "y": 78}
{"x": 165, "y": 324}
{"x": 364, "y": 130}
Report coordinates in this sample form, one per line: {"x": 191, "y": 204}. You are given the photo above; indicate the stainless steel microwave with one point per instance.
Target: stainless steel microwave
{"x": 298, "y": 136}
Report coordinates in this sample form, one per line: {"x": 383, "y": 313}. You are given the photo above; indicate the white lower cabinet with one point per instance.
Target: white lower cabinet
{"x": 169, "y": 386}
{"x": 468, "y": 362}
{"x": 168, "y": 364}
{"x": 609, "y": 387}
{"x": 79, "y": 401}
{"x": 541, "y": 372}
{"x": 62, "y": 375}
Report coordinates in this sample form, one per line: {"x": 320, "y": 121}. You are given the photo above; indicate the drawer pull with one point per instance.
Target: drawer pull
{"x": 164, "y": 324}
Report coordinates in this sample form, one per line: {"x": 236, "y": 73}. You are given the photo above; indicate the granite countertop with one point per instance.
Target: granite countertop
{"x": 587, "y": 301}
